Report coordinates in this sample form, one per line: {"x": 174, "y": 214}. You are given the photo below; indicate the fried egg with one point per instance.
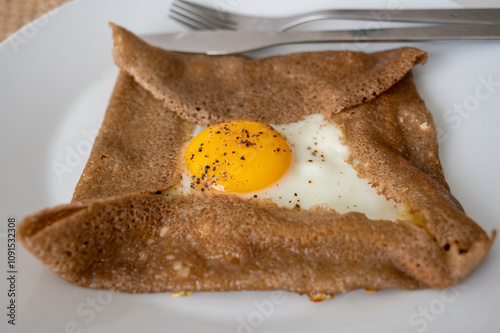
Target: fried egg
{"x": 298, "y": 165}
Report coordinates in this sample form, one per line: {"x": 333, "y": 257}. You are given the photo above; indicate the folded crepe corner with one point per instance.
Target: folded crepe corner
{"x": 119, "y": 234}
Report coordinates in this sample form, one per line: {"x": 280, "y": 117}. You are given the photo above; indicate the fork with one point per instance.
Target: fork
{"x": 200, "y": 17}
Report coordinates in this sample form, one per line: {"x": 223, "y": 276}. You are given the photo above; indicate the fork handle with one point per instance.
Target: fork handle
{"x": 413, "y": 34}
{"x": 447, "y": 16}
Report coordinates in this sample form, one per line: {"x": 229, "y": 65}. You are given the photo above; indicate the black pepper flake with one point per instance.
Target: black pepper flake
{"x": 309, "y": 160}
{"x": 218, "y": 132}
{"x": 158, "y": 192}
{"x": 295, "y": 194}
{"x": 247, "y": 143}
{"x": 192, "y": 156}
{"x": 242, "y": 158}
{"x": 255, "y": 195}
{"x": 297, "y": 206}
{"x": 200, "y": 149}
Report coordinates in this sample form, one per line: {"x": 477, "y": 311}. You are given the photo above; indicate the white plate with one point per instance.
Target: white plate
{"x": 56, "y": 76}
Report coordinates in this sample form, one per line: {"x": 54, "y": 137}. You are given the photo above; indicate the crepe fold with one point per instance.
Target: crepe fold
{"x": 122, "y": 232}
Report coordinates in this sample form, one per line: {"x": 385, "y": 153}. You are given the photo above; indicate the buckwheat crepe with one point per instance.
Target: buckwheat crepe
{"x": 121, "y": 232}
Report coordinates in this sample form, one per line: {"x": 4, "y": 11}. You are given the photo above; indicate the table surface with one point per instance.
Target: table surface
{"x": 14, "y": 14}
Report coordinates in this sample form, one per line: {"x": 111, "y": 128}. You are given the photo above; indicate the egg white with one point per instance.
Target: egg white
{"x": 318, "y": 174}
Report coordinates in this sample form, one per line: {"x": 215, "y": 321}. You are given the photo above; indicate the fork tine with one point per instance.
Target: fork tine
{"x": 190, "y": 24}
{"x": 187, "y": 20}
{"x": 210, "y": 16}
{"x": 194, "y": 19}
{"x": 202, "y": 10}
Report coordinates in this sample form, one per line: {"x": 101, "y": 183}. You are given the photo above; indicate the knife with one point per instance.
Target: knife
{"x": 230, "y": 42}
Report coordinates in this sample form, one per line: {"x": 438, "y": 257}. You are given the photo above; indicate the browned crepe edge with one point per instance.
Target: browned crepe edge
{"x": 436, "y": 254}
{"x": 280, "y": 89}
{"x": 132, "y": 145}
{"x": 105, "y": 243}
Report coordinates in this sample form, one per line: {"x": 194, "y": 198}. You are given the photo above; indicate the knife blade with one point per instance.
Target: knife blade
{"x": 229, "y": 42}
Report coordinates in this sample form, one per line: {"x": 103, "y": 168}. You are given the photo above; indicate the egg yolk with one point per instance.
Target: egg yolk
{"x": 237, "y": 156}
